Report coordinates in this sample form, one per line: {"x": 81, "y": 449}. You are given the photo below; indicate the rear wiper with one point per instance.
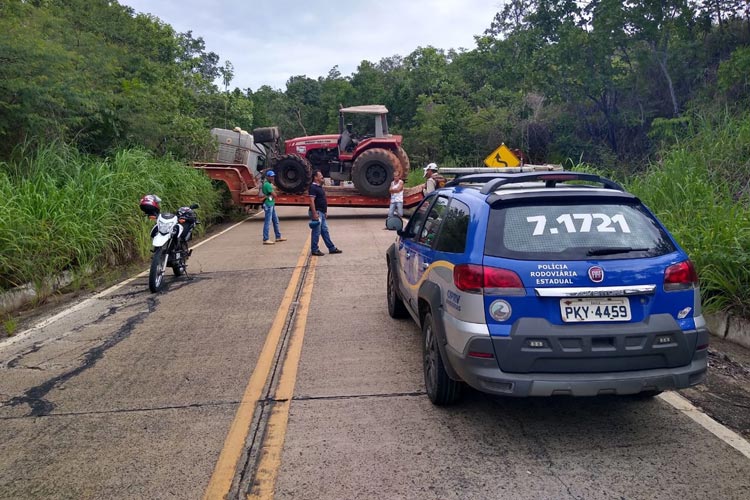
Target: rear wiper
{"x": 614, "y": 250}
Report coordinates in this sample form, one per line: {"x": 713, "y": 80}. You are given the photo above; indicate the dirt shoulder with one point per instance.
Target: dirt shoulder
{"x": 725, "y": 395}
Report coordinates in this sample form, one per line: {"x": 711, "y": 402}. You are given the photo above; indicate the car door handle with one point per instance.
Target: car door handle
{"x": 425, "y": 265}
{"x": 408, "y": 255}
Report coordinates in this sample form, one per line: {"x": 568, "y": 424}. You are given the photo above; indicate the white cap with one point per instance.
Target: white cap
{"x": 431, "y": 166}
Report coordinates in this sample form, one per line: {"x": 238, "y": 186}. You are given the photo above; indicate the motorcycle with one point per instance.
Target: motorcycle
{"x": 170, "y": 239}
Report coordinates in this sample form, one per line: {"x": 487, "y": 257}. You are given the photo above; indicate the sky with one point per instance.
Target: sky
{"x": 269, "y": 41}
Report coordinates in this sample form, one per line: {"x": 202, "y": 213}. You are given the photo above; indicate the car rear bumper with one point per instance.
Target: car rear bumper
{"x": 484, "y": 375}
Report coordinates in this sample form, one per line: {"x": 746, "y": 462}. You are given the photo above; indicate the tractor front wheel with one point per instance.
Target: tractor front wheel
{"x": 372, "y": 172}
{"x": 293, "y": 174}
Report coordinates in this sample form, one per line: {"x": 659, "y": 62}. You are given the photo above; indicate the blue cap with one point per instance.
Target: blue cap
{"x": 270, "y": 173}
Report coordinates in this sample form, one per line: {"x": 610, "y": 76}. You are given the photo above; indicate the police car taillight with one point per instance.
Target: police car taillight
{"x": 680, "y": 276}
{"x": 474, "y": 278}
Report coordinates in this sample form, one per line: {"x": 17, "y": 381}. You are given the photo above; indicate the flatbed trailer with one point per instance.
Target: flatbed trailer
{"x": 244, "y": 191}
{"x": 338, "y": 196}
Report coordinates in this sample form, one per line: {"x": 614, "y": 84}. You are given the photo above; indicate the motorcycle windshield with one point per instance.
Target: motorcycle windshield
{"x": 165, "y": 223}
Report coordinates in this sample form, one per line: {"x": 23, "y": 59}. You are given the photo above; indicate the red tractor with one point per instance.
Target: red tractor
{"x": 368, "y": 160}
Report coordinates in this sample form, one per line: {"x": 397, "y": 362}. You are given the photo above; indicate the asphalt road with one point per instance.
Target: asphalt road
{"x": 273, "y": 374}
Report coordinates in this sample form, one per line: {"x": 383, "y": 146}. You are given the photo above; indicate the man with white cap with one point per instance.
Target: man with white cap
{"x": 431, "y": 172}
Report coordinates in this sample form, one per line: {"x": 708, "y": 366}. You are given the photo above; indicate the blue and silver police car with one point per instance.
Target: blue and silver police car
{"x": 539, "y": 283}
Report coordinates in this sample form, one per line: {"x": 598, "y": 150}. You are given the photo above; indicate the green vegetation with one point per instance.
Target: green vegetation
{"x": 64, "y": 211}
{"x": 701, "y": 191}
{"x": 414, "y": 178}
{"x": 10, "y": 325}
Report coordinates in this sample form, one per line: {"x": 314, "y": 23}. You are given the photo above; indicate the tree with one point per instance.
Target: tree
{"x": 656, "y": 23}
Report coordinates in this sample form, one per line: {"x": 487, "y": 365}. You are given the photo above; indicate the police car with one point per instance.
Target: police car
{"x": 539, "y": 282}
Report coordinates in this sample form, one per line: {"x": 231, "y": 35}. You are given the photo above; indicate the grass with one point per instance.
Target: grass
{"x": 64, "y": 211}
{"x": 10, "y": 325}
{"x": 415, "y": 177}
{"x": 700, "y": 192}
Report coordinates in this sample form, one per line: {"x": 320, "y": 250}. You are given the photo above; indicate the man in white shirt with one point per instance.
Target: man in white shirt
{"x": 397, "y": 196}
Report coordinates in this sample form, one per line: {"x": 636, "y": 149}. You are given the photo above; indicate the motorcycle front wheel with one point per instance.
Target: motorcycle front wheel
{"x": 158, "y": 266}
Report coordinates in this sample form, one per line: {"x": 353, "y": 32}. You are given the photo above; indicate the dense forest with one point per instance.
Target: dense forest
{"x": 99, "y": 105}
{"x": 601, "y": 81}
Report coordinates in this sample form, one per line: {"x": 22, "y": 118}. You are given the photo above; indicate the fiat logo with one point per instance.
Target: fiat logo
{"x": 596, "y": 274}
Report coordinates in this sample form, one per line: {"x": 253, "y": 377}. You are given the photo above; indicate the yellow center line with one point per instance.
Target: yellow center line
{"x": 270, "y": 453}
{"x": 221, "y": 480}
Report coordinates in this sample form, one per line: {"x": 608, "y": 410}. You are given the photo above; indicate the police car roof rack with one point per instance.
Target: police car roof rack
{"x": 484, "y": 174}
{"x": 550, "y": 179}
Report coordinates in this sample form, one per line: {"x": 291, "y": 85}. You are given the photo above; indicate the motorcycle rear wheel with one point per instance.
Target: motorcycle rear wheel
{"x": 156, "y": 273}
{"x": 179, "y": 265}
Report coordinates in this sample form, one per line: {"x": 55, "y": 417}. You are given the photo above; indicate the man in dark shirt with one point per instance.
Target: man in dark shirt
{"x": 318, "y": 209}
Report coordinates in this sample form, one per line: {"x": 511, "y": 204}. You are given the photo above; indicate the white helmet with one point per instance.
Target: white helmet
{"x": 431, "y": 166}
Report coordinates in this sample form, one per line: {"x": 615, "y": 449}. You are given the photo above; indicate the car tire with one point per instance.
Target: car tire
{"x": 396, "y": 307}
{"x": 441, "y": 389}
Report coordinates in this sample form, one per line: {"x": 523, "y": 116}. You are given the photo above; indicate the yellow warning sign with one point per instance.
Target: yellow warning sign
{"x": 502, "y": 157}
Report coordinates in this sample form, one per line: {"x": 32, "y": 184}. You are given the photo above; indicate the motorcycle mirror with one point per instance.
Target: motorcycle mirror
{"x": 194, "y": 206}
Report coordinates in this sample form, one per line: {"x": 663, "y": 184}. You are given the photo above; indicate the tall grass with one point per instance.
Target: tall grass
{"x": 414, "y": 177}
{"x": 64, "y": 211}
{"x": 700, "y": 191}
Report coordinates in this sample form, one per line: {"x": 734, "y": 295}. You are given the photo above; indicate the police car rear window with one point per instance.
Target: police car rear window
{"x": 574, "y": 231}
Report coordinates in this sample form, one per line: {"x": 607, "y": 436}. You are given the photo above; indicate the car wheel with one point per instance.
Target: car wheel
{"x": 396, "y": 307}
{"x": 441, "y": 389}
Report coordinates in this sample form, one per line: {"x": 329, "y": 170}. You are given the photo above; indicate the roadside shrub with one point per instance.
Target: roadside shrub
{"x": 63, "y": 211}
{"x": 700, "y": 191}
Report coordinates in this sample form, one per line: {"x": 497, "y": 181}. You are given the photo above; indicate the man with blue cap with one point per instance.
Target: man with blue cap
{"x": 269, "y": 207}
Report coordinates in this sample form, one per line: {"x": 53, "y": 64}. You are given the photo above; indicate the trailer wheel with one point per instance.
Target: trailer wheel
{"x": 403, "y": 158}
{"x": 293, "y": 174}
{"x": 372, "y": 172}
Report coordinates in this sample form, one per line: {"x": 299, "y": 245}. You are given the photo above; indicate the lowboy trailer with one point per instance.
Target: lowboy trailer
{"x": 244, "y": 190}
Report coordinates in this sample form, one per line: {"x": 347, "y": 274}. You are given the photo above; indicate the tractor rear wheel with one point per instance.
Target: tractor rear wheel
{"x": 404, "y": 159}
{"x": 293, "y": 174}
{"x": 372, "y": 172}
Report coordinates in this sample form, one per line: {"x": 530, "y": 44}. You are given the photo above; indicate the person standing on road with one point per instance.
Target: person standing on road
{"x": 318, "y": 209}
{"x": 397, "y": 196}
{"x": 431, "y": 173}
{"x": 269, "y": 207}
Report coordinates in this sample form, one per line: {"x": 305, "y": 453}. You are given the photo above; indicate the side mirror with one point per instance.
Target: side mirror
{"x": 194, "y": 206}
{"x": 394, "y": 223}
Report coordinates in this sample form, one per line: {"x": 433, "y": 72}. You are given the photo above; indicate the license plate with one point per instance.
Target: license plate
{"x": 593, "y": 309}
